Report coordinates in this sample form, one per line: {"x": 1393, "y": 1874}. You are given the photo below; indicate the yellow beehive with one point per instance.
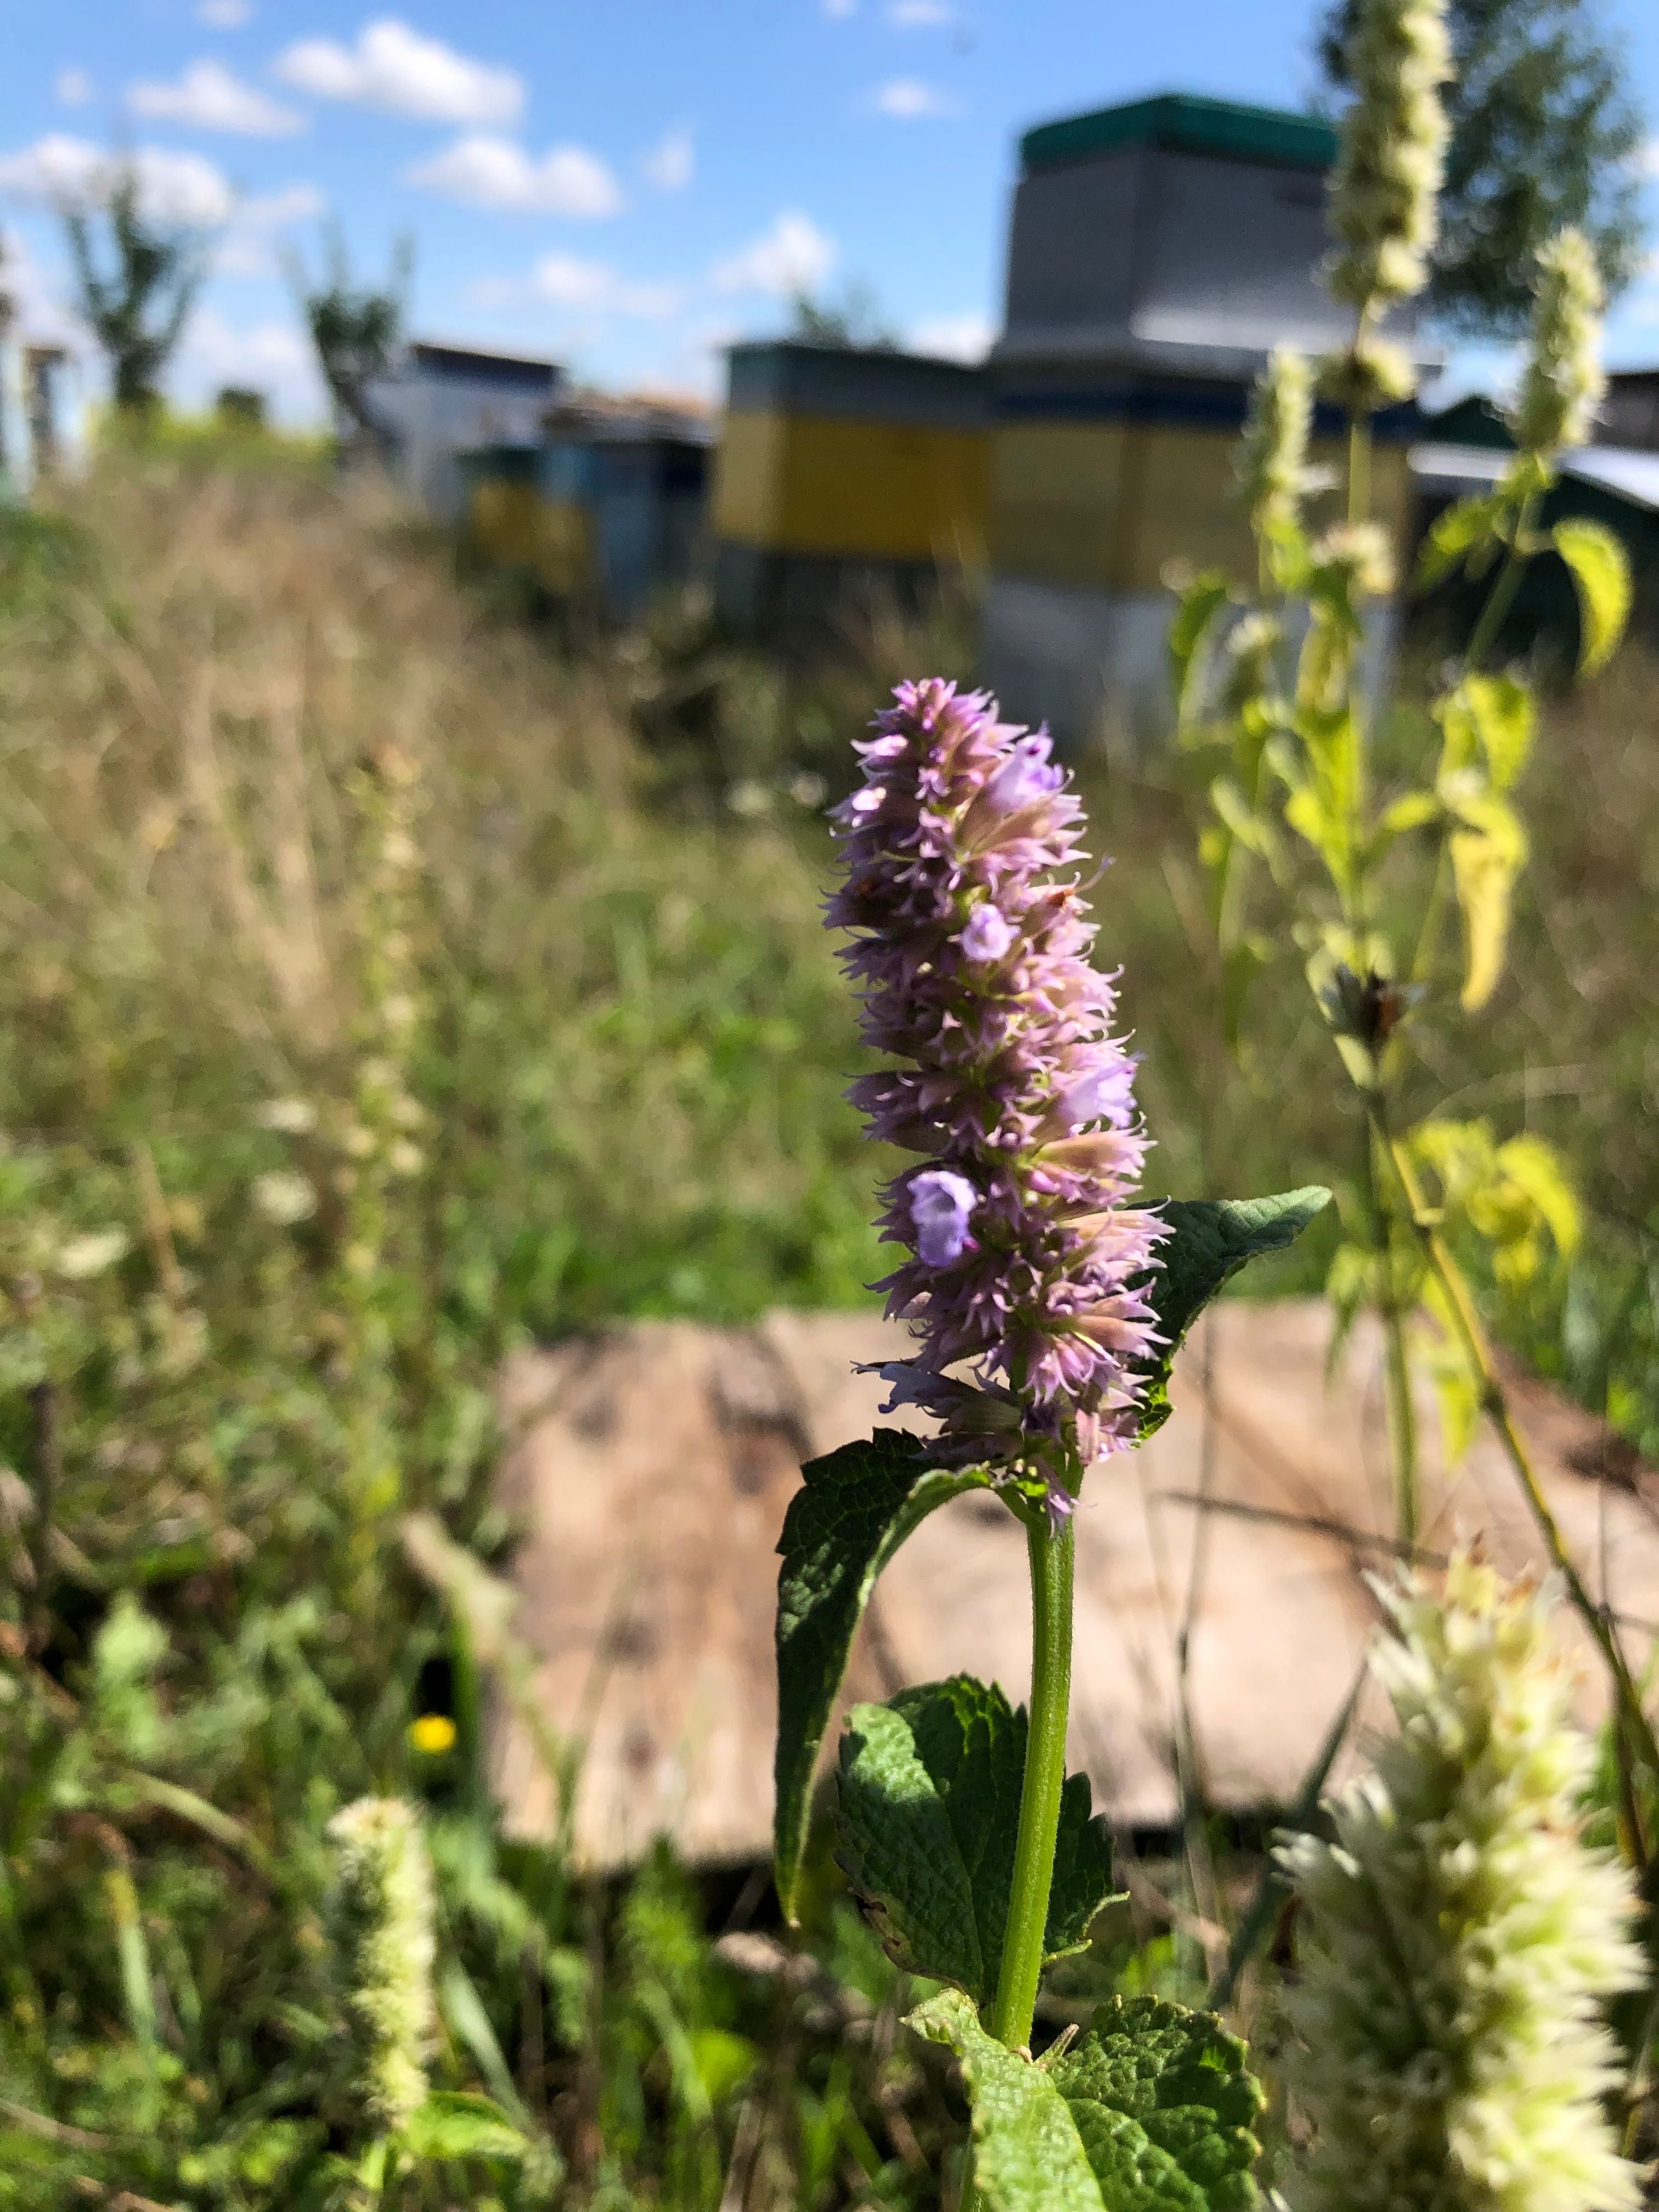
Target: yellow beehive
{"x": 1108, "y": 506}
{"x": 836, "y": 460}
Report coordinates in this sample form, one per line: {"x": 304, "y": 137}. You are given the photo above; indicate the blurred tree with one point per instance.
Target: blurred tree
{"x": 854, "y": 322}
{"x": 356, "y": 329}
{"x": 1544, "y": 133}
{"x": 138, "y": 310}
{"x": 240, "y": 409}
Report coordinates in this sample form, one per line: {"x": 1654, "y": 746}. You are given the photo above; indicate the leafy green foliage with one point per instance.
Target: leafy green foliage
{"x": 1209, "y": 1240}
{"x": 1151, "y": 2111}
{"x": 356, "y": 328}
{"x": 138, "y": 310}
{"x": 1464, "y": 534}
{"x": 1601, "y": 574}
{"x": 855, "y": 1508}
{"x": 927, "y": 1810}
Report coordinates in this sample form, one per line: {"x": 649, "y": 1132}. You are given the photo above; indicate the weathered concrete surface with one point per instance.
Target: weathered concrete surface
{"x": 652, "y": 1465}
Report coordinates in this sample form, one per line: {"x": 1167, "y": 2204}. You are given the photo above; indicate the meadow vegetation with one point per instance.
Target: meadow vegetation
{"x": 383, "y": 978}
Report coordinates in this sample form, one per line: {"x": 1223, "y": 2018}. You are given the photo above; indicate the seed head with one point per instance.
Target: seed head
{"x": 1271, "y": 466}
{"x": 1392, "y": 153}
{"x": 383, "y": 1915}
{"x": 1562, "y": 385}
{"x": 1459, "y": 1934}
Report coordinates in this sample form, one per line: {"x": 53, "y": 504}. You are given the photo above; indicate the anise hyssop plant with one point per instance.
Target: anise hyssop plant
{"x": 1046, "y": 1306}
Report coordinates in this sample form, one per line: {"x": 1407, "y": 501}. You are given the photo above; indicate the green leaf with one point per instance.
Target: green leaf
{"x": 1164, "y": 2105}
{"x": 468, "y": 2021}
{"x": 854, "y": 1511}
{"x": 1209, "y": 1240}
{"x": 453, "y": 2123}
{"x": 1490, "y": 718}
{"x": 1411, "y": 811}
{"x": 1601, "y": 575}
{"x": 1240, "y": 964}
{"x": 1189, "y": 627}
{"x": 1456, "y": 535}
{"x": 1028, "y": 2155}
{"x": 1485, "y": 858}
{"x": 1151, "y": 2111}
{"x": 929, "y": 1811}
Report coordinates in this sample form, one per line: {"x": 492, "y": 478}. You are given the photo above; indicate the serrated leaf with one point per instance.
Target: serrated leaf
{"x": 928, "y": 1812}
{"x": 453, "y": 2123}
{"x": 1455, "y": 534}
{"x": 856, "y": 1506}
{"x": 1151, "y": 2111}
{"x": 1601, "y": 575}
{"x": 1165, "y": 2105}
{"x": 1209, "y": 1240}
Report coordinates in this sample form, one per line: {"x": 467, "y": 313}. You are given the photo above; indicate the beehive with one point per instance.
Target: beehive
{"x": 1158, "y": 253}
{"x": 842, "y": 470}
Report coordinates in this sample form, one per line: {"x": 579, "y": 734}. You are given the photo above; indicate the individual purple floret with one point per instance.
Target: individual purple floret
{"x": 940, "y": 1204}
{"x": 971, "y": 945}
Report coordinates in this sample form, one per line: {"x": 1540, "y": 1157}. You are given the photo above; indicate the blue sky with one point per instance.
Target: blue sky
{"x": 624, "y": 185}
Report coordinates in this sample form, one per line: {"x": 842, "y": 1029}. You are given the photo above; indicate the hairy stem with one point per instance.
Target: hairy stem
{"x": 1051, "y": 1561}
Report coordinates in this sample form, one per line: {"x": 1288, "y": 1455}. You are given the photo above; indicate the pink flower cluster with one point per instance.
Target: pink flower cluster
{"x": 970, "y": 944}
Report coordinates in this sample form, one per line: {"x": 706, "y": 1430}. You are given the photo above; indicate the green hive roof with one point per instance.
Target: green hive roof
{"x": 1187, "y": 125}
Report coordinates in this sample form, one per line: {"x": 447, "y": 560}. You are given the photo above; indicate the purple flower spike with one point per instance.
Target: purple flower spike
{"x": 970, "y": 946}
{"x": 940, "y": 1203}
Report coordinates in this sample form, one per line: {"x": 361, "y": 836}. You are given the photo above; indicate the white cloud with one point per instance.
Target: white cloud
{"x": 73, "y": 87}
{"x": 793, "y": 256}
{"x": 592, "y": 290}
{"x": 920, "y": 15}
{"x": 672, "y": 162}
{"x": 225, "y": 15}
{"x": 965, "y": 336}
{"x": 569, "y": 281}
{"x": 395, "y": 68}
{"x": 207, "y": 97}
{"x": 907, "y": 100}
{"x": 482, "y": 171}
{"x": 173, "y": 188}
{"x": 1647, "y": 159}
{"x": 246, "y": 248}
{"x": 43, "y": 310}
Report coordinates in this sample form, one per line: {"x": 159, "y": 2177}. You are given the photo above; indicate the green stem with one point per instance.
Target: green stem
{"x": 1402, "y": 1412}
{"x": 1051, "y": 1561}
{"x": 1359, "y": 467}
{"x": 1359, "y": 435}
{"x": 1503, "y": 591}
{"x": 1402, "y": 1424}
